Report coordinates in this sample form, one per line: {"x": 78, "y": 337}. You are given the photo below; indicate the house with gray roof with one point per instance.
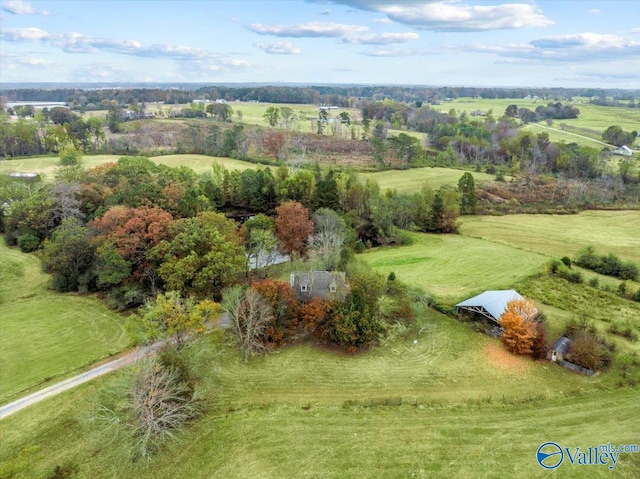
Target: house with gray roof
{"x": 319, "y": 284}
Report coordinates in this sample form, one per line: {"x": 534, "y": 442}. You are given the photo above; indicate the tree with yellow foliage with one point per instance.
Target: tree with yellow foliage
{"x": 519, "y": 326}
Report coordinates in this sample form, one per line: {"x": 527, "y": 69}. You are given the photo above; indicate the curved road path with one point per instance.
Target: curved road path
{"x": 128, "y": 358}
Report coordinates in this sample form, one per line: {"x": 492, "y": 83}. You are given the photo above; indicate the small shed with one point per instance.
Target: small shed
{"x": 624, "y": 150}
{"x": 559, "y": 349}
{"x": 322, "y": 284}
{"x": 490, "y": 304}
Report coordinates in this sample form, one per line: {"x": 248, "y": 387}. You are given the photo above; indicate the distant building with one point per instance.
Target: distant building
{"x": 319, "y": 284}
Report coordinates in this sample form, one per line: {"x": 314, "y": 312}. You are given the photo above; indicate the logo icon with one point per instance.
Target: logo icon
{"x": 550, "y": 455}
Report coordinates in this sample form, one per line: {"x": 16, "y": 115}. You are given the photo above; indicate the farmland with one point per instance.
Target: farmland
{"x": 411, "y": 181}
{"x": 47, "y": 165}
{"x": 47, "y": 335}
{"x": 402, "y": 410}
{"x": 453, "y": 267}
{"x": 557, "y": 235}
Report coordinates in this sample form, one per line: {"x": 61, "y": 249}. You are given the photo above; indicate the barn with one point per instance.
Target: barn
{"x": 490, "y": 304}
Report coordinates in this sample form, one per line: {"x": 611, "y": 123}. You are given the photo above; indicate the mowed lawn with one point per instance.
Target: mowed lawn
{"x": 44, "y": 335}
{"x": 47, "y": 165}
{"x": 562, "y": 235}
{"x": 412, "y": 181}
{"x": 453, "y": 266}
{"x": 453, "y": 405}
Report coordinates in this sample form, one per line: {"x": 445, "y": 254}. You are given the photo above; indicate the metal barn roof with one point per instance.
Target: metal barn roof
{"x": 490, "y": 303}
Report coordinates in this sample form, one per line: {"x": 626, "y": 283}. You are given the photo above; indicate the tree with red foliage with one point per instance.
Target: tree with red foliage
{"x": 293, "y": 227}
{"x": 284, "y": 304}
{"x": 133, "y": 232}
{"x": 274, "y": 143}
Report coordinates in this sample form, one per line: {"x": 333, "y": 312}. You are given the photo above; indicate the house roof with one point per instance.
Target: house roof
{"x": 561, "y": 345}
{"x": 490, "y": 303}
{"x": 318, "y": 283}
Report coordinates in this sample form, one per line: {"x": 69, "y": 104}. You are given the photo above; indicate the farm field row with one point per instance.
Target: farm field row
{"x": 562, "y": 235}
{"x": 45, "y": 335}
{"x": 460, "y": 391}
{"x": 454, "y": 267}
{"x": 403, "y": 180}
{"x": 46, "y": 165}
{"x": 412, "y": 181}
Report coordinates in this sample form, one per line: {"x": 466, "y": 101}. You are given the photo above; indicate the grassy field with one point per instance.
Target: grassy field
{"x": 252, "y": 113}
{"x": 562, "y": 235}
{"x": 46, "y": 165}
{"x": 410, "y": 181}
{"x": 44, "y": 335}
{"x": 402, "y": 410}
{"x": 453, "y": 267}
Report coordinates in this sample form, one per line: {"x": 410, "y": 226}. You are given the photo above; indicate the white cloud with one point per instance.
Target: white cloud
{"x": 18, "y": 7}
{"x": 383, "y": 20}
{"x": 14, "y": 59}
{"x": 595, "y": 11}
{"x": 381, "y": 38}
{"x": 278, "y": 48}
{"x": 570, "y": 48}
{"x": 394, "y": 53}
{"x": 454, "y": 16}
{"x": 312, "y": 30}
{"x": 30, "y": 34}
{"x": 73, "y": 42}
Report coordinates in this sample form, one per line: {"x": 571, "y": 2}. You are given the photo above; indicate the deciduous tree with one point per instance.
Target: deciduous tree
{"x": 519, "y": 327}
{"x": 293, "y": 227}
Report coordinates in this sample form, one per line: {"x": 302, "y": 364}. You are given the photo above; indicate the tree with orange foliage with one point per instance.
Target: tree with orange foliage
{"x": 519, "y": 326}
{"x": 293, "y": 227}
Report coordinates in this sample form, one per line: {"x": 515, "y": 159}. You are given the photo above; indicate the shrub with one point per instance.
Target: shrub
{"x": 594, "y": 282}
{"x": 585, "y": 351}
{"x": 566, "y": 261}
{"x": 28, "y": 242}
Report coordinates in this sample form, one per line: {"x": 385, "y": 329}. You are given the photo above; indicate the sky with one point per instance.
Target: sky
{"x": 522, "y": 43}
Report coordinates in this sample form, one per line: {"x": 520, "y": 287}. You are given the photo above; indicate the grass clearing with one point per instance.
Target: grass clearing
{"x": 304, "y": 412}
{"x": 45, "y": 335}
{"x": 412, "y": 181}
{"x": 453, "y": 266}
{"x": 46, "y": 165}
{"x": 562, "y": 235}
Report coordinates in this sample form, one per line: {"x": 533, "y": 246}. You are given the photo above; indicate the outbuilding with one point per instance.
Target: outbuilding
{"x": 559, "y": 349}
{"x": 490, "y": 304}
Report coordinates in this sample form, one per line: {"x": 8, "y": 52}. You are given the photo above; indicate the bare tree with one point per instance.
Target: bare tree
{"x": 250, "y": 315}
{"x": 329, "y": 232}
{"x": 161, "y": 404}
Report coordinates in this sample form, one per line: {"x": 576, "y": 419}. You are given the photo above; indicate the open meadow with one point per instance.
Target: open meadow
{"x": 412, "y": 181}
{"x": 454, "y": 267}
{"x": 46, "y": 165}
{"x": 562, "y": 235}
{"x": 44, "y": 335}
{"x": 422, "y": 410}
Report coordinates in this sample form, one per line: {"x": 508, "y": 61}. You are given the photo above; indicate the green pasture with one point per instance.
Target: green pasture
{"x": 411, "y": 181}
{"x": 562, "y": 235}
{"x": 559, "y": 136}
{"x": 46, "y": 165}
{"x": 44, "y": 335}
{"x": 454, "y": 404}
{"x": 453, "y": 267}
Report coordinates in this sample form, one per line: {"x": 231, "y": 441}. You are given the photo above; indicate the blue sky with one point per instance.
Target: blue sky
{"x": 570, "y": 43}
